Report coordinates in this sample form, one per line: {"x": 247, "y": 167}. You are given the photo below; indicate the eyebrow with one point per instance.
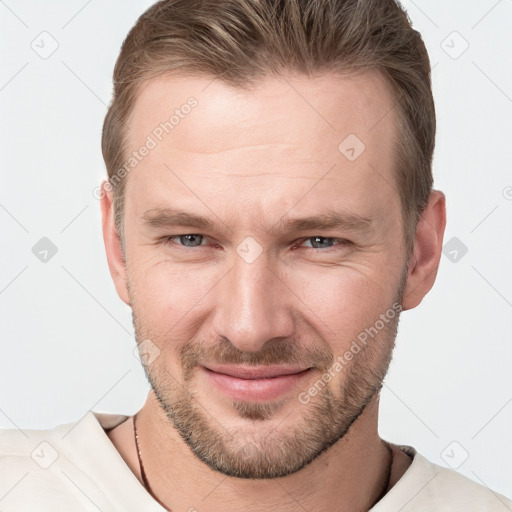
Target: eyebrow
{"x": 169, "y": 217}
{"x": 330, "y": 219}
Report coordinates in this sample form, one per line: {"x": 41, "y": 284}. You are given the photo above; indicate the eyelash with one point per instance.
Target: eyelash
{"x": 341, "y": 242}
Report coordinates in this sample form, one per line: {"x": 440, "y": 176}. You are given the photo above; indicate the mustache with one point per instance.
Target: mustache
{"x": 224, "y": 352}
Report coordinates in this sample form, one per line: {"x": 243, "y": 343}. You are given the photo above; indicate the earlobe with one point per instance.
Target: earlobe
{"x": 115, "y": 258}
{"x": 424, "y": 260}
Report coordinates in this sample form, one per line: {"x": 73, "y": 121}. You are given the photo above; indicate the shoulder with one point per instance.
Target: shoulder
{"x": 426, "y": 486}
{"x": 43, "y": 447}
{"x": 57, "y": 468}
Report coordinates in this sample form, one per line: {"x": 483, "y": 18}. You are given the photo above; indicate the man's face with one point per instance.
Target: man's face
{"x": 255, "y": 290}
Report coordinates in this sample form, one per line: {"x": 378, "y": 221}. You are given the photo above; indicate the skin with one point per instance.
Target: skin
{"x": 234, "y": 160}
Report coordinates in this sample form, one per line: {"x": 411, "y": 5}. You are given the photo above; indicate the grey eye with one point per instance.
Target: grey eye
{"x": 320, "y": 242}
{"x": 190, "y": 240}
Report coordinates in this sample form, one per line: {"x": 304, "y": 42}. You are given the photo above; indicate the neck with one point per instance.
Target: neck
{"x": 349, "y": 476}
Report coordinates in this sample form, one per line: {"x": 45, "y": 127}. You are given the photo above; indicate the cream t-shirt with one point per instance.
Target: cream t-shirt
{"x": 75, "y": 467}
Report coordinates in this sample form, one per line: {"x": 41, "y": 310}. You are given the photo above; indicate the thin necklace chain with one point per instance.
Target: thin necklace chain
{"x": 148, "y": 488}
{"x": 141, "y": 466}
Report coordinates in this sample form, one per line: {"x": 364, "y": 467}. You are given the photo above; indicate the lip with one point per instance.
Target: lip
{"x": 256, "y": 372}
{"x": 254, "y": 383}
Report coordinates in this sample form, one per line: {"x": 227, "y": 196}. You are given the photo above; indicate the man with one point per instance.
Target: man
{"x": 269, "y": 214}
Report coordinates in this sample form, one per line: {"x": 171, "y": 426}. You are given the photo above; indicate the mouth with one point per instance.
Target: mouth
{"x": 254, "y": 383}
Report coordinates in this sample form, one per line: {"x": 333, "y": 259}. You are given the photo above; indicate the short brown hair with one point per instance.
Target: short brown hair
{"x": 242, "y": 41}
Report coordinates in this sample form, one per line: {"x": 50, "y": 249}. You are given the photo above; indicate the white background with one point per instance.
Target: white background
{"x": 67, "y": 340}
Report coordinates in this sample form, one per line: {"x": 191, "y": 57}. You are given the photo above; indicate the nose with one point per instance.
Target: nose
{"x": 254, "y": 305}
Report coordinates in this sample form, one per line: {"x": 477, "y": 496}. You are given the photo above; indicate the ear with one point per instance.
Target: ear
{"x": 116, "y": 262}
{"x": 424, "y": 260}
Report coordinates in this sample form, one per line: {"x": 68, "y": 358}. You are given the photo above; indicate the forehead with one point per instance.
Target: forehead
{"x": 360, "y": 103}
{"x": 289, "y": 133}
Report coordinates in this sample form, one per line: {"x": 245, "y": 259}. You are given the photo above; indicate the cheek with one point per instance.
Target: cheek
{"x": 168, "y": 298}
{"x": 341, "y": 303}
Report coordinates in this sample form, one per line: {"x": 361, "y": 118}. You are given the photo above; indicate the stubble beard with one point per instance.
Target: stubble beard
{"x": 267, "y": 448}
